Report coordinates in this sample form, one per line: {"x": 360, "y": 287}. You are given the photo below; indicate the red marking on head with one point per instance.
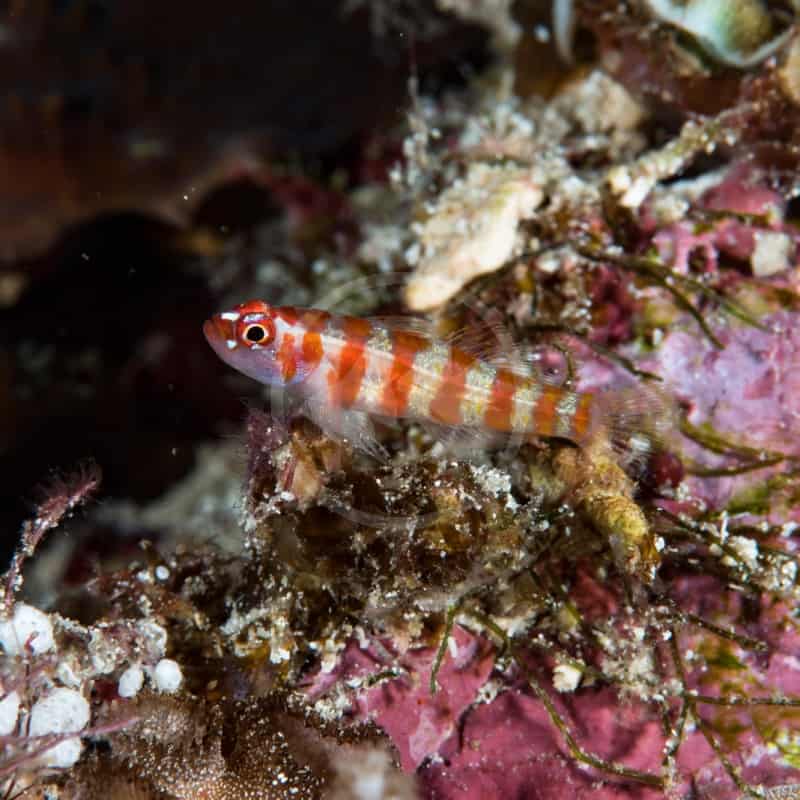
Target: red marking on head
{"x": 287, "y": 357}
{"x": 582, "y": 418}
{"x": 249, "y": 325}
{"x": 287, "y": 314}
{"x": 500, "y": 410}
{"x": 544, "y": 415}
{"x": 253, "y": 307}
{"x": 400, "y": 380}
{"x": 446, "y": 404}
{"x": 255, "y": 327}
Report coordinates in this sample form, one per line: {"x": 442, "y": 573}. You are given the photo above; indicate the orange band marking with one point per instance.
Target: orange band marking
{"x": 345, "y": 379}
{"x": 581, "y": 420}
{"x": 400, "y": 380}
{"x": 544, "y": 416}
{"x": 445, "y": 407}
{"x": 312, "y": 349}
{"x": 501, "y": 402}
{"x": 287, "y": 357}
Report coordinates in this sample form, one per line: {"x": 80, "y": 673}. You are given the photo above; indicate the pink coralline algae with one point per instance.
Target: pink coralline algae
{"x": 509, "y": 748}
{"x": 470, "y": 742}
{"x": 755, "y": 377}
{"x": 734, "y": 218}
{"x": 417, "y": 720}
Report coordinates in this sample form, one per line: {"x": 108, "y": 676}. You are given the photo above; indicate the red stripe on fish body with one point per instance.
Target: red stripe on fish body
{"x": 500, "y": 407}
{"x": 545, "y": 411}
{"x": 445, "y": 408}
{"x": 350, "y": 363}
{"x": 287, "y": 357}
{"x": 311, "y": 324}
{"x": 581, "y": 423}
{"x": 312, "y": 349}
{"x": 399, "y": 381}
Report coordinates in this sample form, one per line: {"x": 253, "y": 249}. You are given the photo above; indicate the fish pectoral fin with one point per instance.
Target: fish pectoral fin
{"x": 353, "y": 426}
{"x": 284, "y": 406}
{"x": 461, "y": 441}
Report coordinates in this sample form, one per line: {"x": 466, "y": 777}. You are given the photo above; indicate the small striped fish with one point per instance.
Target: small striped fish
{"x": 346, "y": 369}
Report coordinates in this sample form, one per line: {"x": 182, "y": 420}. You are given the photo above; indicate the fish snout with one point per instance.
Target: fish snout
{"x": 219, "y": 331}
{"x": 217, "y": 328}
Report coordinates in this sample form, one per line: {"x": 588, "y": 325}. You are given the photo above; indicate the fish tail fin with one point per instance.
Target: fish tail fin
{"x": 635, "y": 421}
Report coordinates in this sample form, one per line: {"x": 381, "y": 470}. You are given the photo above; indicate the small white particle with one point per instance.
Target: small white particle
{"x": 162, "y": 572}
{"x": 230, "y": 316}
{"x": 66, "y": 674}
{"x": 9, "y": 711}
{"x": 541, "y": 33}
{"x": 619, "y": 179}
{"x": 635, "y": 196}
{"x": 28, "y": 626}
{"x": 566, "y": 678}
{"x": 231, "y": 344}
{"x": 61, "y": 711}
{"x": 772, "y": 253}
{"x": 130, "y": 682}
{"x": 167, "y": 676}
{"x": 746, "y": 549}
{"x": 369, "y": 787}
{"x": 452, "y": 647}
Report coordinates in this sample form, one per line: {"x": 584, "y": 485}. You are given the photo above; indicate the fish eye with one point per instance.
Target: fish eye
{"x": 255, "y": 334}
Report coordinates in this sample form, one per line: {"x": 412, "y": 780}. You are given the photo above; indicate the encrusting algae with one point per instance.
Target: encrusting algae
{"x": 537, "y": 528}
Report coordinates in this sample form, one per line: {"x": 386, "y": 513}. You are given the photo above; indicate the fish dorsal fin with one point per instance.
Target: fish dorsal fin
{"x": 419, "y": 325}
{"x": 490, "y": 342}
{"x": 493, "y": 344}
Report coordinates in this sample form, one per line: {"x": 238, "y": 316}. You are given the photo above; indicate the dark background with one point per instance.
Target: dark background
{"x": 139, "y": 148}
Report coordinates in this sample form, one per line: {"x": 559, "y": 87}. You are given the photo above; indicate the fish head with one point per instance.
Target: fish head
{"x": 246, "y": 338}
